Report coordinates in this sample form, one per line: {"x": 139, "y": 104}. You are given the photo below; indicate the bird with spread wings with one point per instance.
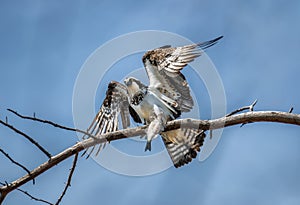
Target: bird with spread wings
{"x": 164, "y": 99}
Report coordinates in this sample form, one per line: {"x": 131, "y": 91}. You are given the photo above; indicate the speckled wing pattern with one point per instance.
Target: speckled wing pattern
{"x": 163, "y": 66}
{"x": 115, "y": 105}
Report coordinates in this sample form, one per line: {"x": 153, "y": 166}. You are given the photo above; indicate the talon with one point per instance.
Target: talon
{"x": 148, "y": 146}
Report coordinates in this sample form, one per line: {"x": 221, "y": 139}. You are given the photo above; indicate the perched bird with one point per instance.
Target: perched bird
{"x": 166, "y": 97}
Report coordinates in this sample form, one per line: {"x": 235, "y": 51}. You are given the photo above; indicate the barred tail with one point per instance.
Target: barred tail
{"x": 183, "y": 144}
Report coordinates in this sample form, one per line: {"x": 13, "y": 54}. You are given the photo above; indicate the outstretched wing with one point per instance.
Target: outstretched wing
{"x": 163, "y": 66}
{"x": 183, "y": 144}
{"x": 115, "y": 105}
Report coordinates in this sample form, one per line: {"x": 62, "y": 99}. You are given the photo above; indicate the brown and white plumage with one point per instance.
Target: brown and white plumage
{"x": 166, "y": 97}
{"x": 183, "y": 144}
{"x": 163, "y": 66}
{"x": 115, "y": 105}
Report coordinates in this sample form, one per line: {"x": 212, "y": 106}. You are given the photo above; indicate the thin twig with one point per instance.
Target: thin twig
{"x": 34, "y": 198}
{"x": 291, "y": 110}
{"x": 248, "y": 107}
{"x": 34, "y": 118}
{"x": 31, "y": 197}
{"x": 68, "y": 184}
{"x": 27, "y": 137}
{"x": 16, "y": 163}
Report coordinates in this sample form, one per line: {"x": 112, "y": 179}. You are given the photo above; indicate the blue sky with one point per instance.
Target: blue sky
{"x": 43, "y": 44}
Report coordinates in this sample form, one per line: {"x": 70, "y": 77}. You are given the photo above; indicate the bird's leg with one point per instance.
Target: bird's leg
{"x": 148, "y": 146}
{"x": 156, "y": 126}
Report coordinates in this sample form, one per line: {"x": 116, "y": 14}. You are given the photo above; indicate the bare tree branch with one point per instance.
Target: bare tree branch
{"x": 27, "y": 137}
{"x": 68, "y": 184}
{"x": 31, "y": 197}
{"x": 34, "y": 118}
{"x": 16, "y": 163}
{"x": 249, "y": 107}
{"x": 253, "y": 116}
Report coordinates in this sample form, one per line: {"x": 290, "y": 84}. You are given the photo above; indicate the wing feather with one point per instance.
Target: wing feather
{"x": 115, "y": 104}
{"x": 163, "y": 66}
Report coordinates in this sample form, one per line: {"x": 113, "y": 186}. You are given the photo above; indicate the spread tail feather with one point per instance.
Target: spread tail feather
{"x": 183, "y": 144}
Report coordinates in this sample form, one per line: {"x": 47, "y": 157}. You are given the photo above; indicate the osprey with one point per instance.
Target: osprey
{"x": 163, "y": 100}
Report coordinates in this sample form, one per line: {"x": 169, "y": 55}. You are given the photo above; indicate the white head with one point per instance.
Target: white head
{"x": 133, "y": 85}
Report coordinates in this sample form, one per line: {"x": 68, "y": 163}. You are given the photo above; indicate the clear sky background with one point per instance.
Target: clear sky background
{"x": 43, "y": 44}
